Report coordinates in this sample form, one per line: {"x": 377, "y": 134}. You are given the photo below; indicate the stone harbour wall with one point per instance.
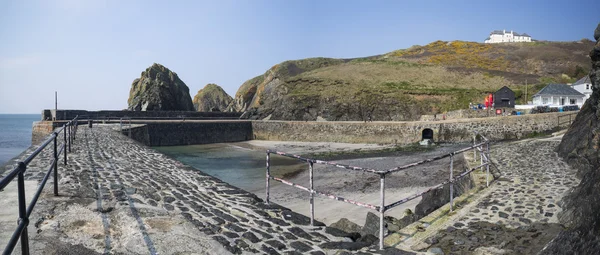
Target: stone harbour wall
{"x": 188, "y": 133}
{"x": 40, "y": 131}
{"x": 70, "y": 114}
{"x": 168, "y": 133}
{"x": 460, "y": 130}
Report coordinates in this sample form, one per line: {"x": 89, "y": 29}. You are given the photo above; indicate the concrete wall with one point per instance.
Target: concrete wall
{"x": 70, "y": 114}
{"x": 495, "y": 128}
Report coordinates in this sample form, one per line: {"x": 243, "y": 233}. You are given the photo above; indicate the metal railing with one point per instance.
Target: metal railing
{"x": 480, "y": 144}
{"x": 69, "y": 131}
{"x": 570, "y": 116}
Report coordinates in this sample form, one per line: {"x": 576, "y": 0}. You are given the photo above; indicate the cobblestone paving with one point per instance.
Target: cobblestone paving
{"x": 534, "y": 179}
{"x": 522, "y": 205}
{"x": 118, "y": 173}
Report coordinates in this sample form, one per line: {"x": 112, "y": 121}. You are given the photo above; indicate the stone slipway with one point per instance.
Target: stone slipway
{"x": 120, "y": 197}
{"x": 517, "y": 214}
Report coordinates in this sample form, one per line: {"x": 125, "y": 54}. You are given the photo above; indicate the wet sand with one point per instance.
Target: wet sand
{"x": 355, "y": 185}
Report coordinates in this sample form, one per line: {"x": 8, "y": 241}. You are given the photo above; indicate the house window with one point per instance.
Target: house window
{"x": 572, "y": 101}
{"x": 544, "y": 100}
{"x": 587, "y": 86}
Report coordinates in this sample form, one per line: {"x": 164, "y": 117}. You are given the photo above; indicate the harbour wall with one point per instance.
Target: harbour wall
{"x": 178, "y": 132}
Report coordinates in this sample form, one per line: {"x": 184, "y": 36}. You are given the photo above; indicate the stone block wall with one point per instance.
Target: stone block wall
{"x": 40, "y": 131}
{"x": 167, "y": 133}
{"x": 188, "y": 133}
{"x": 460, "y": 130}
{"x": 70, "y": 114}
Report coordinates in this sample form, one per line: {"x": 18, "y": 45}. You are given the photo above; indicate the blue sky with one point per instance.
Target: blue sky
{"x": 90, "y": 51}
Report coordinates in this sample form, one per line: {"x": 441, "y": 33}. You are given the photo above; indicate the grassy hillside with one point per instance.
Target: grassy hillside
{"x": 404, "y": 84}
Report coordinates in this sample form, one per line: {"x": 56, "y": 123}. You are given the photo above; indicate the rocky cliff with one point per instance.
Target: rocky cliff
{"x": 404, "y": 84}
{"x": 580, "y": 147}
{"x": 159, "y": 89}
{"x": 212, "y": 98}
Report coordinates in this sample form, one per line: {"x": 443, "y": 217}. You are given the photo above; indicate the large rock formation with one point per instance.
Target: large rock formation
{"x": 580, "y": 147}
{"x": 212, "y": 98}
{"x": 159, "y": 89}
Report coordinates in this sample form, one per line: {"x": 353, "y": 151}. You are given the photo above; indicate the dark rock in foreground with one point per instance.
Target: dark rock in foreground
{"x": 581, "y": 148}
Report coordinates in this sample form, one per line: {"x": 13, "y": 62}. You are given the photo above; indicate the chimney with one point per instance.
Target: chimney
{"x": 504, "y": 31}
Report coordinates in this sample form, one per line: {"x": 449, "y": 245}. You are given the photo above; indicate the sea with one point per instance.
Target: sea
{"x": 15, "y": 134}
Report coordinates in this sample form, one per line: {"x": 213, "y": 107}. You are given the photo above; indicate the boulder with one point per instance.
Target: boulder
{"x": 211, "y": 98}
{"x": 371, "y": 226}
{"x": 159, "y": 89}
{"x": 580, "y": 147}
{"x": 346, "y": 225}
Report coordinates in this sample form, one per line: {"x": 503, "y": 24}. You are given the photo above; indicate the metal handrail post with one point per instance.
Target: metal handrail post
{"x": 474, "y": 150}
{"x": 312, "y": 194}
{"x": 75, "y": 130}
{"x": 22, "y": 208}
{"x": 70, "y": 135}
{"x": 481, "y": 152}
{"x": 268, "y": 175}
{"x": 65, "y": 142}
{"x": 487, "y": 164}
{"x": 55, "y": 165}
{"x": 381, "y": 209}
{"x": 451, "y": 183}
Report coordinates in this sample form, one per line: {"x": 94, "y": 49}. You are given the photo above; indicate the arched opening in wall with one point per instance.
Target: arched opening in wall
{"x": 427, "y": 134}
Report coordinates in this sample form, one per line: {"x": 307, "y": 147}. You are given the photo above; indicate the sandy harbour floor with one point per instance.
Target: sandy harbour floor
{"x": 355, "y": 185}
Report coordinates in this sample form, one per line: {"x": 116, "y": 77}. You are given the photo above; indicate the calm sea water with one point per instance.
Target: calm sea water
{"x": 15, "y": 134}
{"x": 240, "y": 167}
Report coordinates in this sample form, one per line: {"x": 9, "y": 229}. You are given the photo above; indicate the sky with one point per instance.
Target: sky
{"x": 90, "y": 51}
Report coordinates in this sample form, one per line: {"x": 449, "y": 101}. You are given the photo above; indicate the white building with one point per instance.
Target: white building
{"x": 498, "y": 36}
{"x": 557, "y": 95}
{"x": 584, "y": 86}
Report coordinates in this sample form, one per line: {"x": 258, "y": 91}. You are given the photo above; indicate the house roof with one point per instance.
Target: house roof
{"x": 584, "y": 80}
{"x": 558, "y": 90}
{"x": 500, "y": 32}
{"x": 504, "y": 88}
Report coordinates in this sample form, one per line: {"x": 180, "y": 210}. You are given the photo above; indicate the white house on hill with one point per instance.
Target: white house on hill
{"x": 584, "y": 86}
{"x": 498, "y": 36}
{"x": 558, "y": 94}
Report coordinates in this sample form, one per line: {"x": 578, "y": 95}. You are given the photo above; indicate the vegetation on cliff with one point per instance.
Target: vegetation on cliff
{"x": 211, "y": 98}
{"x": 159, "y": 89}
{"x": 404, "y": 84}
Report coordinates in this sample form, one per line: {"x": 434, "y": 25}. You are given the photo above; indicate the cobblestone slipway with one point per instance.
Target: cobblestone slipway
{"x": 119, "y": 197}
{"x": 518, "y": 213}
